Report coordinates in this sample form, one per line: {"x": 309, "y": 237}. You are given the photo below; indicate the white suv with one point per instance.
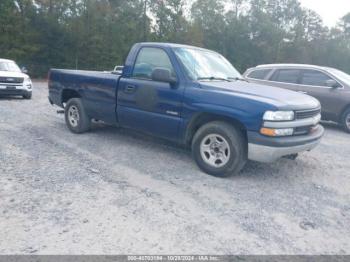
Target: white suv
{"x": 13, "y": 82}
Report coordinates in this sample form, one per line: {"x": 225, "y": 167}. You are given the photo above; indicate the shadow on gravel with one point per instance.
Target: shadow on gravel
{"x": 253, "y": 170}
{"x": 132, "y": 148}
{"x": 134, "y": 136}
{"x": 332, "y": 126}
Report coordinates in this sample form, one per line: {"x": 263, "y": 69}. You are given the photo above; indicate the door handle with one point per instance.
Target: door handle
{"x": 130, "y": 89}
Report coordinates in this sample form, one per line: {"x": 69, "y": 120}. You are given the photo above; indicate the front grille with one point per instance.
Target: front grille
{"x": 11, "y": 80}
{"x": 307, "y": 113}
{"x": 303, "y": 130}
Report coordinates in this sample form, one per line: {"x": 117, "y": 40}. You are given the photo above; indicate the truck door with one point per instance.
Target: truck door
{"x": 147, "y": 105}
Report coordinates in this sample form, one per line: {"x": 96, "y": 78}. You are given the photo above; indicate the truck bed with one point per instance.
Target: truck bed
{"x": 98, "y": 91}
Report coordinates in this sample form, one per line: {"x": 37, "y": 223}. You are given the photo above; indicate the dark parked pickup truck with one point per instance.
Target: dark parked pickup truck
{"x": 194, "y": 97}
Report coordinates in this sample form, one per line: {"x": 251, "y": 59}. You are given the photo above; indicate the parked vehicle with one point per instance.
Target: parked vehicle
{"x": 13, "y": 82}
{"x": 330, "y": 86}
{"x": 195, "y": 97}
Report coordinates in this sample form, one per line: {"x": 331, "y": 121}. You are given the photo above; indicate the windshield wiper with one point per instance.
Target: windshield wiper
{"x": 211, "y": 78}
{"x": 238, "y": 79}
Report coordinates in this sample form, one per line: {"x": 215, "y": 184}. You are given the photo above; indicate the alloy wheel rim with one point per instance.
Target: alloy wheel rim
{"x": 347, "y": 121}
{"x": 73, "y": 116}
{"x": 215, "y": 150}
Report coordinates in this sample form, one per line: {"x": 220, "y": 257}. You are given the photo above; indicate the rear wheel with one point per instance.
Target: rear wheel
{"x": 76, "y": 118}
{"x": 219, "y": 149}
{"x": 346, "y": 120}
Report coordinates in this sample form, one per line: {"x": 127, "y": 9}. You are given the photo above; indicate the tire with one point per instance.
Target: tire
{"x": 76, "y": 118}
{"x": 219, "y": 149}
{"x": 28, "y": 95}
{"x": 345, "y": 121}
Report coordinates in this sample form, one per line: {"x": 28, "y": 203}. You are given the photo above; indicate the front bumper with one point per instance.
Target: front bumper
{"x": 14, "y": 90}
{"x": 268, "y": 149}
{"x": 19, "y": 92}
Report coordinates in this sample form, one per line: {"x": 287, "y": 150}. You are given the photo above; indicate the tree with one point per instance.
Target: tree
{"x": 97, "y": 34}
{"x": 171, "y": 25}
{"x": 345, "y": 24}
{"x": 208, "y": 16}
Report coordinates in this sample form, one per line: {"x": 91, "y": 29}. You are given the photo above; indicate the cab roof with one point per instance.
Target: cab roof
{"x": 173, "y": 45}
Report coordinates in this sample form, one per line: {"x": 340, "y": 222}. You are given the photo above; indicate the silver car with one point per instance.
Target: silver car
{"x": 329, "y": 85}
{"x": 13, "y": 80}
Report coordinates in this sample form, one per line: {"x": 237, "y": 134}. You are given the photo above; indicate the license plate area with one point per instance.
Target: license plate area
{"x": 10, "y": 87}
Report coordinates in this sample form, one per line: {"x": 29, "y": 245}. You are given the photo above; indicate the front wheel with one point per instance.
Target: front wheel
{"x": 28, "y": 95}
{"x": 346, "y": 120}
{"x": 76, "y": 118}
{"x": 219, "y": 149}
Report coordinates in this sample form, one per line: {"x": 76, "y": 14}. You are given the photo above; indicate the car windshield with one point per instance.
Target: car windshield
{"x": 341, "y": 75}
{"x": 206, "y": 65}
{"x": 9, "y": 66}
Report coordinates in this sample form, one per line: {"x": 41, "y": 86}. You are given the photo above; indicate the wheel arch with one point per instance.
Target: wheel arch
{"x": 203, "y": 118}
{"x": 67, "y": 94}
{"x": 346, "y": 108}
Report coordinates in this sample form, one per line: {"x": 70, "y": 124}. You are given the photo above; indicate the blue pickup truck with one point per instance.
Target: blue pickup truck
{"x": 194, "y": 97}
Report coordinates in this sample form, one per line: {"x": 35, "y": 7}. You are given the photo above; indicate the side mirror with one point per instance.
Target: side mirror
{"x": 332, "y": 83}
{"x": 24, "y": 70}
{"x": 118, "y": 70}
{"x": 163, "y": 75}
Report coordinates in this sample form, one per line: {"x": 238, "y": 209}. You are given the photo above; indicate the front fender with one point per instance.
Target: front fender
{"x": 248, "y": 120}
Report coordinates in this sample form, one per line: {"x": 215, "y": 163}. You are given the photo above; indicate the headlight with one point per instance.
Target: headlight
{"x": 27, "y": 82}
{"x": 278, "y": 116}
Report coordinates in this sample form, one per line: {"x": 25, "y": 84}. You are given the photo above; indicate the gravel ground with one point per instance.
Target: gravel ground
{"x": 112, "y": 191}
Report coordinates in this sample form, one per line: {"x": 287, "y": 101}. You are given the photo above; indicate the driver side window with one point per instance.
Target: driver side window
{"x": 315, "y": 78}
{"x": 148, "y": 59}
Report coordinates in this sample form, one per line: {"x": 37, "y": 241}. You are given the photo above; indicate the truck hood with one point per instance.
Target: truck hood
{"x": 12, "y": 74}
{"x": 281, "y": 98}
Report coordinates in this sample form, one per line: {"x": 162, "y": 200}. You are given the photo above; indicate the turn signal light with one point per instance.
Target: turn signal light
{"x": 276, "y": 132}
{"x": 267, "y": 131}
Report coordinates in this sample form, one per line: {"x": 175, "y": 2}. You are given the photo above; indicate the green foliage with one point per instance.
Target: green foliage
{"x": 97, "y": 34}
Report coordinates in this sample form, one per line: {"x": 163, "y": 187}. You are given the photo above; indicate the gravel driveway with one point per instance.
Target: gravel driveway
{"x": 112, "y": 191}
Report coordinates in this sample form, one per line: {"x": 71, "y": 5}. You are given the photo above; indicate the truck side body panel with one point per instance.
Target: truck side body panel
{"x": 98, "y": 91}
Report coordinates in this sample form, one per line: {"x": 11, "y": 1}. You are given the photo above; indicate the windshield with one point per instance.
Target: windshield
{"x": 340, "y": 74}
{"x": 206, "y": 65}
{"x": 9, "y": 66}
